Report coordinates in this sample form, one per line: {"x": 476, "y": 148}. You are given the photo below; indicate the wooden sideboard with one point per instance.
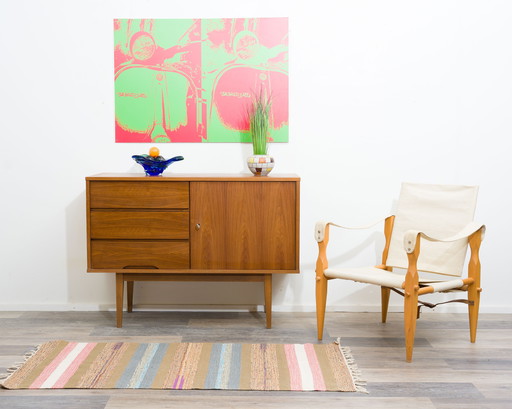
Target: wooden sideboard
{"x": 192, "y": 228}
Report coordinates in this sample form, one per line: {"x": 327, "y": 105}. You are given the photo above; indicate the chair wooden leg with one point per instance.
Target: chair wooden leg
{"x": 410, "y": 316}
{"x": 384, "y": 298}
{"x": 321, "y": 300}
{"x": 473, "y": 307}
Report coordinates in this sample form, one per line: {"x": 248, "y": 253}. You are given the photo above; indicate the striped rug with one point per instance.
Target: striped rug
{"x": 113, "y": 365}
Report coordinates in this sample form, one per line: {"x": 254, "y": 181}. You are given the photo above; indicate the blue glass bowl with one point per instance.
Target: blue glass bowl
{"x": 154, "y": 166}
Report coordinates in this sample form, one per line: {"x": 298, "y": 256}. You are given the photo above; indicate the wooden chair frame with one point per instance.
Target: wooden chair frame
{"x": 410, "y": 286}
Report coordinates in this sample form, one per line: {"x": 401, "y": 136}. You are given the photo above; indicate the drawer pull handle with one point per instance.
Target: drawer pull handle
{"x": 198, "y": 226}
{"x": 142, "y": 267}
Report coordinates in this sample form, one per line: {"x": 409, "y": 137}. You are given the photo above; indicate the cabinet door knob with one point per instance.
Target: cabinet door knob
{"x": 198, "y": 226}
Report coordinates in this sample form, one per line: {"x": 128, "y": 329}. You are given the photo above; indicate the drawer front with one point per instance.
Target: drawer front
{"x": 112, "y": 224}
{"x": 148, "y": 255}
{"x": 138, "y": 195}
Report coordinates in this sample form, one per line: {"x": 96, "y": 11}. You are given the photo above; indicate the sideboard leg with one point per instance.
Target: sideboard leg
{"x": 119, "y": 299}
{"x": 129, "y": 295}
{"x": 268, "y": 299}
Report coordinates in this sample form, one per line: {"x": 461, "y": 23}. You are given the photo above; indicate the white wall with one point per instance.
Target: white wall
{"x": 381, "y": 92}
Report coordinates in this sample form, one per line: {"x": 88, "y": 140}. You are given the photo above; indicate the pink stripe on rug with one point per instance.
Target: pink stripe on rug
{"x": 61, "y": 368}
{"x": 51, "y": 367}
{"x": 71, "y": 369}
{"x": 293, "y": 366}
{"x": 318, "y": 378}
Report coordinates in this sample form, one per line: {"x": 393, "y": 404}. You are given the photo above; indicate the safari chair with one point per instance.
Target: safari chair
{"x": 439, "y": 220}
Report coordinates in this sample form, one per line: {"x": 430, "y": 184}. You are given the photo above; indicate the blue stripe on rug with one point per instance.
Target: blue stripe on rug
{"x": 143, "y": 366}
{"x": 213, "y": 367}
{"x": 127, "y": 375}
{"x": 154, "y": 366}
{"x": 234, "y": 373}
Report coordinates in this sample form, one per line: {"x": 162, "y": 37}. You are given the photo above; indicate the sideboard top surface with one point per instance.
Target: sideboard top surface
{"x": 243, "y": 177}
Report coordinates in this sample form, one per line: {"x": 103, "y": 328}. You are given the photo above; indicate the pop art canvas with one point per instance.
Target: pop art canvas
{"x": 179, "y": 80}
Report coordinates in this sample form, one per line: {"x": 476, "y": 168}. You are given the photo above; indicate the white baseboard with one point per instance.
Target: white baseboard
{"x": 452, "y": 308}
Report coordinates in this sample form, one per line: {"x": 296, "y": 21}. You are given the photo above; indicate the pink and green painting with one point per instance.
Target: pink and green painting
{"x": 194, "y": 80}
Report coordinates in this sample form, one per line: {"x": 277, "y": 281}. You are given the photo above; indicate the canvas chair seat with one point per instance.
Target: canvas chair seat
{"x": 384, "y": 278}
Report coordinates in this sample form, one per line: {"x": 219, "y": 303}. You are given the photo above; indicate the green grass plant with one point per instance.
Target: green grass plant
{"x": 259, "y": 119}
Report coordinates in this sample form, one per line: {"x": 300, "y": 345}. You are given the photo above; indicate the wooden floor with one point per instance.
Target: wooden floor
{"x": 448, "y": 372}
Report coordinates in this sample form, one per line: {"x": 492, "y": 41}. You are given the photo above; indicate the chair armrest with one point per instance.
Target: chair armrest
{"x": 410, "y": 236}
{"x": 321, "y": 226}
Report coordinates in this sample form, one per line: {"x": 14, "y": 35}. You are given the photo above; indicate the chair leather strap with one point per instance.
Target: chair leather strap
{"x": 431, "y": 305}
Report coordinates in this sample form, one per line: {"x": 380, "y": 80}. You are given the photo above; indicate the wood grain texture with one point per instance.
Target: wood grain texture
{"x": 40, "y": 400}
{"x": 455, "y": 375}
{"x": 123, "y": 254}
{"x": 111, "y": 224}
{"x": 245, "y": 226}
{"x": 196, "y": 177}
{"x": 138, "y": 194}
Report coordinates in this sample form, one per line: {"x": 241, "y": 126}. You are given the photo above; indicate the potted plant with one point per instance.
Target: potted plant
{"x": 260, "y": 163}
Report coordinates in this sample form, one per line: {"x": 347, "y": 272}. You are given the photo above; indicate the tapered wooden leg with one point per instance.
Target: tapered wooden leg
{"x": 384, "y": 298}
{"x": 474, "y": 305}
{"x": 410, "y": 316}
{"x": 474, "y": 289}
{"x": 119, "y": 299}
{"x": 268, "y": 299}
{"x": 129, "y": 295}
{"x": 321, "y": 299}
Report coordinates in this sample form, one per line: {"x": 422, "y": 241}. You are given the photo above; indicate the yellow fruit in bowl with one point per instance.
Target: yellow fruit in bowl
{"x": 154, "y": 152}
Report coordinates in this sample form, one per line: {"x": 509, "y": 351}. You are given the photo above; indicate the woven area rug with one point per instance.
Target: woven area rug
{"x": 113, "y": 365}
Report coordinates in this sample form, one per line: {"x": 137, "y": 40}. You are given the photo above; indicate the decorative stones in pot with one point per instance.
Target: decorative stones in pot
{"x": 260, "y": 165}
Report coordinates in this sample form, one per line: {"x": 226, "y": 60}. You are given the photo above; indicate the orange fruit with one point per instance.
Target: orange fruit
{"x": 154, "y": 152}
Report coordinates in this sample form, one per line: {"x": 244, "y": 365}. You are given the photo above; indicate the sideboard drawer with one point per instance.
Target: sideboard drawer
{"x": 146, "y": 255}
{"x": 125, "y": 224}
{"x": 139, "y": 195}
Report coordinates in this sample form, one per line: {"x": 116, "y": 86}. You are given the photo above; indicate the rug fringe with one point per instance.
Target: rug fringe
{"x": 11, "y": 370}
{"x": 359, "y": 382}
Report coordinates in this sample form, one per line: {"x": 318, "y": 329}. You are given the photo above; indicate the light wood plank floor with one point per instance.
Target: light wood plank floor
{"x": 448, "y": 371}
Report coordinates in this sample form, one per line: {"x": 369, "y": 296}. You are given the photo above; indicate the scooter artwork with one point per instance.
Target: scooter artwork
{"x": 192, "y": 80}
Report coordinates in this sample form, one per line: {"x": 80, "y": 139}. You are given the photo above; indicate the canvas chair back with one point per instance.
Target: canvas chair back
{"x": 440, "y": 211}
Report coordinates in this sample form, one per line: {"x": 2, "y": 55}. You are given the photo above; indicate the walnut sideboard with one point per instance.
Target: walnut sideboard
{"x": 192, "y": 228}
